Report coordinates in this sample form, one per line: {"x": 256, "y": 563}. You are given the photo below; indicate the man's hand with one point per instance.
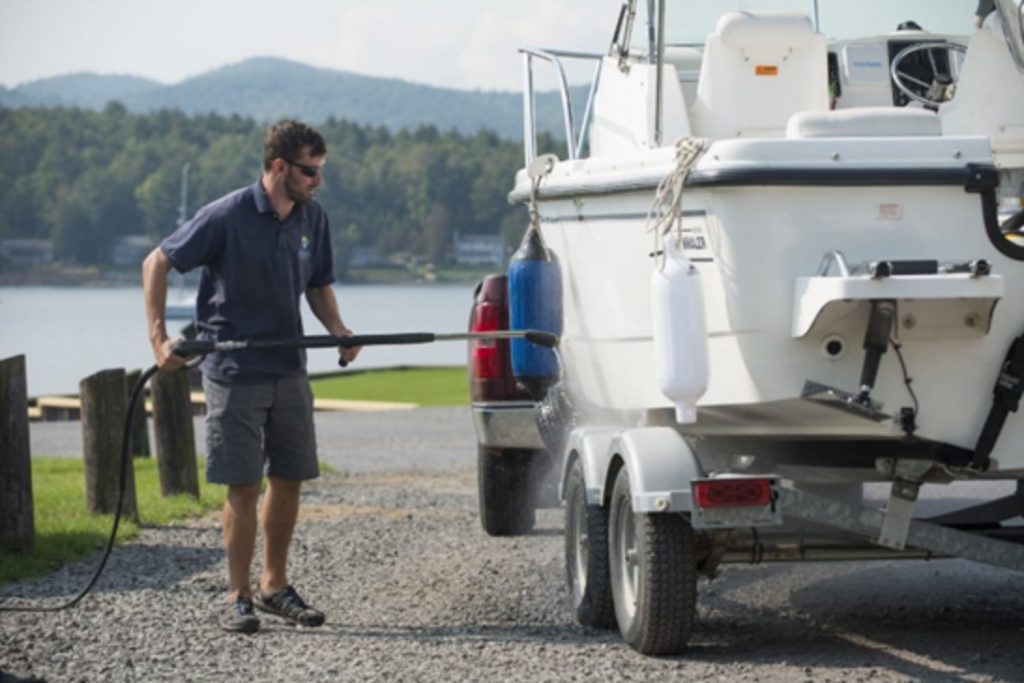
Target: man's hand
{"x": 166, "y": 359}
{"x": 347, "y": 354}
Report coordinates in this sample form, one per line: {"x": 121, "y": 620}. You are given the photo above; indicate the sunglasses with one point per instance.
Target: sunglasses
{"x": 308, "y": 171}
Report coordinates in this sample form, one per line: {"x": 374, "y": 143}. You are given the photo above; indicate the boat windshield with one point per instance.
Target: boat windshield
{"x": 688, "y": 22}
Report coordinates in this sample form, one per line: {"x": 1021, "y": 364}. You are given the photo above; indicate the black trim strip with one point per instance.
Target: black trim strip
{"x": 831, "y": 177}
{"x": 773, "y": 176}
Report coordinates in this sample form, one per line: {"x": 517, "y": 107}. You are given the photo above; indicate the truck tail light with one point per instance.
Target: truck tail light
{"x": 487, "y": 358}
{"x": 731, "y": 493}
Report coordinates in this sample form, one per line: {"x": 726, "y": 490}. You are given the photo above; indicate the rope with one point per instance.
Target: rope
{"x": 534, "y": 210}
{"x": 666, "y": 211}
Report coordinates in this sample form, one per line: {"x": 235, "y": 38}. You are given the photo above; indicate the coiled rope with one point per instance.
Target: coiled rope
{"x": 666, "y": 211}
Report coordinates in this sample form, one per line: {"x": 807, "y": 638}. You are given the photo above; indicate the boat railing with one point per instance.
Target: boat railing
{"x": 575, "y": 139}
{"x": 834, "y": 256}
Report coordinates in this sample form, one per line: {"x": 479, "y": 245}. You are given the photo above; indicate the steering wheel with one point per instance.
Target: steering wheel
{"x": 942, "y": 86}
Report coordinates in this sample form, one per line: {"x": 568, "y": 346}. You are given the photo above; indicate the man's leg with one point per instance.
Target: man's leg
{"x": 235, "y": 414}
{"x": 280, "y": 510}
{"x": 239, "y": 520}
{"x": 291, "y": 450}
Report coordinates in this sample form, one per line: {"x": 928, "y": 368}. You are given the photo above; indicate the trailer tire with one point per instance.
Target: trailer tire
{"x": 653, "y": 575}
{"x": 586, "y": 555}
{"x": 505, "y": 485}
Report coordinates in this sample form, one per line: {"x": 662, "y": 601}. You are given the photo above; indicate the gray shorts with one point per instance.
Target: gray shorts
{"x": 250, "y": 426}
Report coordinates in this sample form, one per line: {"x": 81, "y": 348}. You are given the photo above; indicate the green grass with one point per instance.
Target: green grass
{"x": 64, "y": 532}
{"x": 424, "y": 386}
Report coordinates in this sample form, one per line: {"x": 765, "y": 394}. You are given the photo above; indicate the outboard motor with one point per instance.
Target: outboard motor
{"x": 680, "y": 332}
{"x": 535, "y": 302}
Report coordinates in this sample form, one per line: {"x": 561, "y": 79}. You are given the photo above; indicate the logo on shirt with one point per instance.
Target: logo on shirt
{"x": 304, "y": 248}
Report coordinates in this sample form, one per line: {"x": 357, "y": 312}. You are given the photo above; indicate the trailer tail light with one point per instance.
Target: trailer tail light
{"x": 731, "y": 493}
{"x": 735, "y": 502}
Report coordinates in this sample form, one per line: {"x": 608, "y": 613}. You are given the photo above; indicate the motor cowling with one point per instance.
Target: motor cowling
{"x": 535, "y": 302}
{"x": 680, "y": 332}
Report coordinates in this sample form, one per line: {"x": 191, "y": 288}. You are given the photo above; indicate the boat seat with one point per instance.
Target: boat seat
{"x": 864, "y": 122}
{"x": 759, "y": 68}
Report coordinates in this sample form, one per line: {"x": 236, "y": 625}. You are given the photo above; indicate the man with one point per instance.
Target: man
{"x": 261, "y": 248}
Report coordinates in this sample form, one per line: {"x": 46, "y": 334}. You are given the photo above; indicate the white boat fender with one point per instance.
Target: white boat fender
{"x": 680, "y": 331}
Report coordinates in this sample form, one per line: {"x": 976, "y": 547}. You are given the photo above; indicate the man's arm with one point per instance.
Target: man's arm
{"x": 325, "y": 307}
{"x": 154, "y": 290}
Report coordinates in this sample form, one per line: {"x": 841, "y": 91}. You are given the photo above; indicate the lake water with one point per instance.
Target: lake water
{"x": 68, "y": 333}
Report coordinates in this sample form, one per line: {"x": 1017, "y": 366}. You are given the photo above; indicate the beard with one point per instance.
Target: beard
{"x": 296, "y": 192}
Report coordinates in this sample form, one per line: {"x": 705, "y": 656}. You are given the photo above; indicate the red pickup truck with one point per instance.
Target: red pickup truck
{"x": 515, "y": 474}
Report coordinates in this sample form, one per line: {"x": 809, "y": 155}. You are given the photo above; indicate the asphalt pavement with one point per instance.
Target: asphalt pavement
{"x": 422, "y": 439}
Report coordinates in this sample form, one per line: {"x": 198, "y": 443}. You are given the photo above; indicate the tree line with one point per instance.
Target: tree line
{"x": 84, "y": 178}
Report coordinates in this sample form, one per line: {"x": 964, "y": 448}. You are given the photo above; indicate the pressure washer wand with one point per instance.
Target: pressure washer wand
{"x": 201, "y": 347}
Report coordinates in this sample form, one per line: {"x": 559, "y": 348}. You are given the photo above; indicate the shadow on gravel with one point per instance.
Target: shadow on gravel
{"x": 547, "y": 532}
{"x": 925, "y": 621}
{"x": 131, "y": 567}
{"x": 537, "y": 633}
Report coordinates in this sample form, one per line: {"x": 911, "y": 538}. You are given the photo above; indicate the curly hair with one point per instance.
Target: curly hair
{"x": 286, "y": 140}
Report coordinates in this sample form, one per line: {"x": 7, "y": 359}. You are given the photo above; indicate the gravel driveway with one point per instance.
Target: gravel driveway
{"x": 414, "y": 590}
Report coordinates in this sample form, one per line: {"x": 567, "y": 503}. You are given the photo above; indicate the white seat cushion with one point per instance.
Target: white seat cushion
{"x": 864, "y": 122}
{"x": 758, "y": 69}
{"x": 749, "y": 31}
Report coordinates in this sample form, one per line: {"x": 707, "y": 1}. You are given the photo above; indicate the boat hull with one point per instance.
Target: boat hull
{"x": 756, "y": 246}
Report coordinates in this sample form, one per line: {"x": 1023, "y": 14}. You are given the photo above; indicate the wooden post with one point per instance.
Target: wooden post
{"x": 175, "y": 438}
{"x": 140, "y": 434}
{"x": 17, "y": 526}
{"x": 103, "y": 415}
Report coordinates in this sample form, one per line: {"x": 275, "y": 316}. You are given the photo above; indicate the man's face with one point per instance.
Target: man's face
{"x": 304, "y": 175}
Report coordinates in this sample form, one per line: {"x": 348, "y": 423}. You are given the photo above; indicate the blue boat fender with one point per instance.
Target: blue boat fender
{"x": 535, "y": 302}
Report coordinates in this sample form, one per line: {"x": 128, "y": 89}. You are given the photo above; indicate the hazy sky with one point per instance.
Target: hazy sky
{"x": 454, "y": 43}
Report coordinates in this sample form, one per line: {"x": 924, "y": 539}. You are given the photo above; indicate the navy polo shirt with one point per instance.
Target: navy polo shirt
{"x": 255, "y": 270}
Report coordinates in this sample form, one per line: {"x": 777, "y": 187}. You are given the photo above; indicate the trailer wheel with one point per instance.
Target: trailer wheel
{"x": 653, "y": 575}
{"x": 586, "y": 554}
{"x": 506, "y": 491}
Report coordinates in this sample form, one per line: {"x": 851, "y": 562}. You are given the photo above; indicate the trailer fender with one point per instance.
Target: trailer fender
{"x": 591, "y": 446}
{"x": 661, "y": 467}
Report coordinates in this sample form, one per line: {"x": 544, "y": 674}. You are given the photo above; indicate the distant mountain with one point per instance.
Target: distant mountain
{"x": 268, "y": 88}
{"x": 87, "y": 90}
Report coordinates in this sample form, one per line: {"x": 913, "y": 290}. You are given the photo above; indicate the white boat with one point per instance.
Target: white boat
{"x": 182, "y": 306}
{"x": 183, "y": 309}
{"x": 852, "y": 218}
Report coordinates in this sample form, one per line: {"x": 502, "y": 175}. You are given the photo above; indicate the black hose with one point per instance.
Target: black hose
{"x": 125, "y": 459}
{"x": 198, "y": 348}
